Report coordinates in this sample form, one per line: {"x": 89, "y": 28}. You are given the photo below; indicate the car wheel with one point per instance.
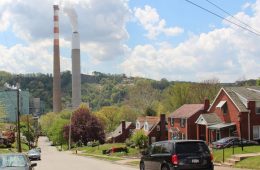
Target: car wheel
{"x": 142, "y": 167}
{"x": 165, "y": 167}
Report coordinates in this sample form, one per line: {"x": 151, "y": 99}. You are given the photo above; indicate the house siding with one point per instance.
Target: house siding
{"x": 254, "y": 118}
{"x": 190, "y": 127}
{"x": 234, "y": 115}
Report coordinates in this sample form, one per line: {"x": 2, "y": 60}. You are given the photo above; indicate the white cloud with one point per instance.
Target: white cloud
{"x": 100, "y": 22}
{"x": 227, "y": 53}
{"x": 150, "y": 20}
{"x": 35, "y": 57}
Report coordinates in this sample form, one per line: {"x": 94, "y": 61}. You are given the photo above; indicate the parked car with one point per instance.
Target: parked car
{"x": 38, "y": 149}
{"x": 33, "y": 154}
{"x": 225, "y": 142}
{"x": 177, "y": 155}
{"x": 15, "y": 161}
{"x": 230, "y": 141}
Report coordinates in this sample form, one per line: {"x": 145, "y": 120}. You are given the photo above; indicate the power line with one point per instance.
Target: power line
{"x": 222, "y": 17}
{"x": 232, "y": 16}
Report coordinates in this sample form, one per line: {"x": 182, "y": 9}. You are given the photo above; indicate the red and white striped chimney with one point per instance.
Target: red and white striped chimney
{"x": 56, "y": 63}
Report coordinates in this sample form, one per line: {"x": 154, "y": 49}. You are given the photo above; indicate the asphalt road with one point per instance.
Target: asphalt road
{"x": 55, "y": 160}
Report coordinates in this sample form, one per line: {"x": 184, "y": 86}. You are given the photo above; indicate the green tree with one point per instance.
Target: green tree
{"x": 258, "y": 82}
{"x": 142, "y": 96}
{"x": 56, "y": 131}
{"x": 175, "y": 96}
{"x": 140, "y": 139}
{"x": 110, "y": 117}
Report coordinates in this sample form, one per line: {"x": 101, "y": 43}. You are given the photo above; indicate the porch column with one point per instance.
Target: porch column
{"x": 207, "y": 135}
{"x": 198, "y": 131}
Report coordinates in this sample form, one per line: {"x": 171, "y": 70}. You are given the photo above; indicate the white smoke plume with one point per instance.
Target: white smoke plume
{"x": 70, "y": 11}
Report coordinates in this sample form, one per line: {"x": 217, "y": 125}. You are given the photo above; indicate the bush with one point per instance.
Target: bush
{"x": 130, "y": 143}
{"x": 140, "y": 139}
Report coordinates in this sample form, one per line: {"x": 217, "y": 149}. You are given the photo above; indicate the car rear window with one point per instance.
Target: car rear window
{"x": 191, "y": 147}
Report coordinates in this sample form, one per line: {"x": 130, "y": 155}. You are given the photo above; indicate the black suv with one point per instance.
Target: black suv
{"x": 177, "y": 155}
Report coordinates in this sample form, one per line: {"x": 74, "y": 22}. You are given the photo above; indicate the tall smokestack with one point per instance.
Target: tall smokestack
{"x": 76, "y": 76}
{"x": 56, "y": 63}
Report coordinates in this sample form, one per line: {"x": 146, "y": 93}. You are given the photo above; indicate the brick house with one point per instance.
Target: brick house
{"x": 181, "y": 122}
{"x": 122, "y": 132}
{"x": 234, "y": 112}
{"x": 154, "y": 127}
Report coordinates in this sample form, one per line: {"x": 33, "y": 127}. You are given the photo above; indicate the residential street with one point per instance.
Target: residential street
{"x": 55, "y": 160}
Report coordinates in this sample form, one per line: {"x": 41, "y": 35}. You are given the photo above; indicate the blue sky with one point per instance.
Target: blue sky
{"x": 170, "y": 39}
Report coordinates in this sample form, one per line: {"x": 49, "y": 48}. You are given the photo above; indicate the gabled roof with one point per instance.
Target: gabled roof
{"x": 208, "y": 119}
{"x": 186, "y": 110}
{"x": 233, "y": 94}
{"x": 250, "y": 95}
{"x": 151, "y": 120}
{"x": 118, "y": 130}
{"x": 241, "y": 95}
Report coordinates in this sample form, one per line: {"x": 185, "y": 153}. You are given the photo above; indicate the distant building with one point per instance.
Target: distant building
{"x": 181, "y": 123}
{"x": 155, "y": 127}
{"x": 37, "y": 106}
{"x": 122, "y": 132}
{"x": 234, "y": 112}
{"x": 8, "y": 100}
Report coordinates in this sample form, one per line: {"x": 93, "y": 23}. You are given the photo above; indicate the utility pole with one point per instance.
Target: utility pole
{"x": 19, "y": 148}
{"x": 28, "y": 131}
{"x": 70, "y": 133}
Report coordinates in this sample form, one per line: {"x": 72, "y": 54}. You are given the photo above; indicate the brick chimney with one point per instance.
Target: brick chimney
{"x": 206, "y": 105}
{"x": 123, "y": 126}
{"x": 162, "y": 127}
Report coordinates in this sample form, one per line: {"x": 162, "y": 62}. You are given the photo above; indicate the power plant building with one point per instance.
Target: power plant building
{"x": 56, "y": 63}
{"x": 8, "y": 103}
{"x": 76, "y": 75}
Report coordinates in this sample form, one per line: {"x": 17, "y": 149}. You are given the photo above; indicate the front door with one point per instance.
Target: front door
{"x": 218, "y": 136}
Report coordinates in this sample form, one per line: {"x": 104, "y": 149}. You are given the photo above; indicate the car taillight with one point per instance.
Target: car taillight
{"x": 175, "y": 160}
{"x": 211, "y": 157}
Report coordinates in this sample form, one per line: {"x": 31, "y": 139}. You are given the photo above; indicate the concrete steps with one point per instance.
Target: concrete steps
{"x": 237, "y": 158}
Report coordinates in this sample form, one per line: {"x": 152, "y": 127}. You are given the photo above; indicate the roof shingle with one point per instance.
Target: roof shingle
{"x": 186, "y": 110}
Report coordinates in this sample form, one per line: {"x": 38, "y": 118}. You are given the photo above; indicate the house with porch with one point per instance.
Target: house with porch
{"x": 121, "y": 133}
{"x": 181, "y": 123}
{"x": 235, "y": 111}
{"x": 154, "y": 127}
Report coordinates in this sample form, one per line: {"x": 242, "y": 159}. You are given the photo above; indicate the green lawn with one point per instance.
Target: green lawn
{"x": 97, "y": 151}
{"x": 228, "y": 152}
{"x": 249, "y": 163}
{"x": 5, "y": 151}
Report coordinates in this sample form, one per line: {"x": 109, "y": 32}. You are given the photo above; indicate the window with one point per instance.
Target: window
{"x": 223, "y": 106}
{"x": 146, "y": 126}
{"x": 172, "y": 121}
{"x": 182, "y": 122}
{"x": 224, "y": 109}
{"x": 156, "y": 149}
{"x": 153, "y": 139}
{"x": 137, "y": 125}
{"x": 257, "y": 108}
{"x": 256, "y": 132}
{"x": 158, "y": 127}
{"x": 191, "y": 147}
{"x": 182, "y": 136}
{"x": 166, "y": 148}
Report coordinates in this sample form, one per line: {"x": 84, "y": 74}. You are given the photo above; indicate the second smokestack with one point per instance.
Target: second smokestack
{"x": 76, "y": 75}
